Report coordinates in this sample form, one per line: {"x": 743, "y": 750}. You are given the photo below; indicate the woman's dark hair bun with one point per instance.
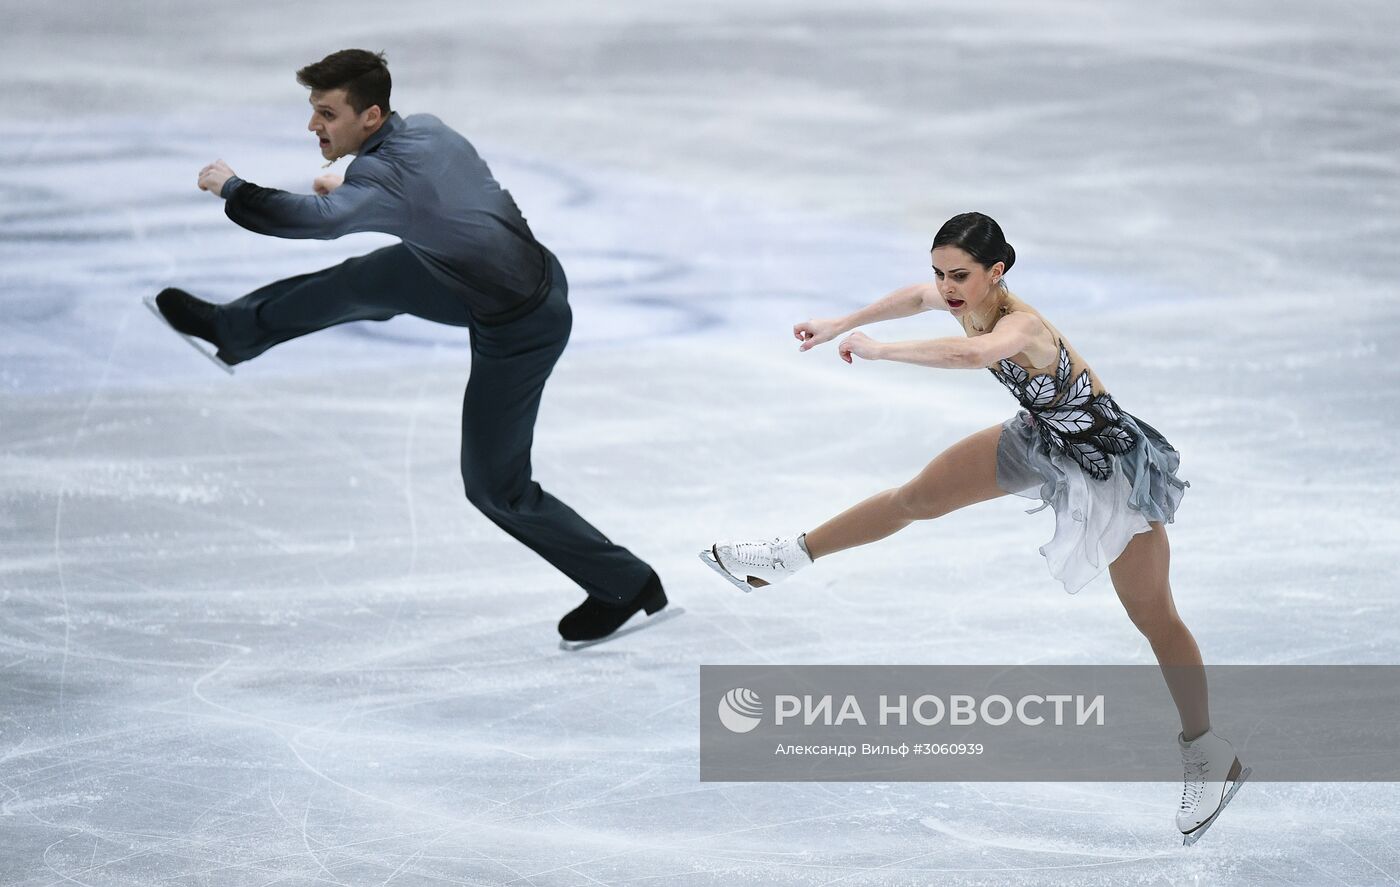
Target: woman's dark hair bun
{"x": 979, "y": 236}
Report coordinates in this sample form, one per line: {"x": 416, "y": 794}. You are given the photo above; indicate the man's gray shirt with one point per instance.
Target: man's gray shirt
{"x": 421, "y": 181}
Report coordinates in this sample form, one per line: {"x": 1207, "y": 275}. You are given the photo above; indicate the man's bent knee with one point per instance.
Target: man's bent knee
{"x": 495, "y": 496}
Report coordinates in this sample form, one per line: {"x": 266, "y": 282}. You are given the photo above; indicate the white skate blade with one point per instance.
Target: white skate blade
{"x": 708, "y": 556}
{"x": 665, "y": 615}
{"x": 1193, "y": 837}
{"x": 197, "y": 344}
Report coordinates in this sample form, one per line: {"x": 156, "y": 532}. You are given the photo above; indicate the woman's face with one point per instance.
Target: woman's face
{"x": 962, "y": 281}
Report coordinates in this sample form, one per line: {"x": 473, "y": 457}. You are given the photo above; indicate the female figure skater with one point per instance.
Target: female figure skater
{"x": 1110, "y": 477}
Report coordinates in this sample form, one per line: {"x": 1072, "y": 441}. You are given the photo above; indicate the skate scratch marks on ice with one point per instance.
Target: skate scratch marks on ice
{"x": 973, "y": 835}
{"x": 1363, "y": 857}
{"x": 293, "y": 742}
{"x": 58, "y": 510}
{"x": 408, "y": 445}
{"x": 306, "y": 842}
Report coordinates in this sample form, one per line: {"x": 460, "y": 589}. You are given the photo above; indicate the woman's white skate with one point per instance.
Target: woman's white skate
{"x": 750, "y": 565}
{"x": 1213, "y": 775}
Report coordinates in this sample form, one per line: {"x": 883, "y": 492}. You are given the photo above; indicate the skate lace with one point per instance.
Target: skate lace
{"x": 756, "y": 554}
{"x": 1193, "y": 784}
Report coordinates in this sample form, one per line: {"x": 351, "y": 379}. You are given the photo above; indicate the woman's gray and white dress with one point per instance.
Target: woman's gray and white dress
{"x": 1105, "y": 473}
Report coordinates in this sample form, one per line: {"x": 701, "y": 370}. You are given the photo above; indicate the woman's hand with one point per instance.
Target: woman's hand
{"x": 812, "y": 333}
{"x": 860, "y": 345}
{"x": 326, "y": 183}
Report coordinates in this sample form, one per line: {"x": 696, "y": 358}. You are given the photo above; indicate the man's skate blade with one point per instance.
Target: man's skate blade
{"x": 1188, "y": 840}
{"x": 709, "y": 558}
{"x": 194, "y": 343}
{"x": 665, "y": 615}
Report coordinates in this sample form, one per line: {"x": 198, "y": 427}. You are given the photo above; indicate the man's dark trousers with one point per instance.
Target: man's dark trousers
{"x": 510, "y": 364}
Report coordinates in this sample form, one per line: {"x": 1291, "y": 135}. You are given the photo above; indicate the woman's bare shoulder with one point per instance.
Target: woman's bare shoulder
{"x": 1044, "y": 349}
{"x": 1013, "y": 305}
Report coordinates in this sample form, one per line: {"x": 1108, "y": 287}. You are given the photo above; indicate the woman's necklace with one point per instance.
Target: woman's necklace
{"x": 982, "y": 327}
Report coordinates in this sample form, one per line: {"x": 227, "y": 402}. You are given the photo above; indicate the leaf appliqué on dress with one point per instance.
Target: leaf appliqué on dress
{"x": 1069, "y": 421}
{"x": 1013, "y": 371}
{"x": 1087, "y": 427}
{"x": 1080, "y": 392}
{"x": 1105, "y": 407}
{"x": 1114, "y": 439}
{"x": 1090, "y": 458}
{"x": 1040, "y": 392}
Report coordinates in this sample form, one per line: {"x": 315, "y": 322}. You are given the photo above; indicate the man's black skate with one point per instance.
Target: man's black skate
{"x": 188, "y": 315}
{"x": 593, "y": 620}
{"x": 192, "y": 318}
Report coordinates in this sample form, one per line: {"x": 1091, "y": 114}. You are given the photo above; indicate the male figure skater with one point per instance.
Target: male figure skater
{"x": 467, "y": 258}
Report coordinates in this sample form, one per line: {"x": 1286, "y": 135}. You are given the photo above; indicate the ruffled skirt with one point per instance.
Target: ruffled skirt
{"x": 1094, "y": 519}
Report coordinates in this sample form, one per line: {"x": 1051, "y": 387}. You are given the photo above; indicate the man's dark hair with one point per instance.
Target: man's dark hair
{"x": 364, "y": 76}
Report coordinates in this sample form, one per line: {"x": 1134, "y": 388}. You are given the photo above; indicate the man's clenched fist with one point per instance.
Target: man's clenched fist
{"x": 213, "y": 176}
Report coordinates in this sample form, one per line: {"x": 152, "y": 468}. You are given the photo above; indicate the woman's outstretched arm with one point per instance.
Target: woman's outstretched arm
{"x": 1012, "y": 335}
{"x": 902, "y": 302}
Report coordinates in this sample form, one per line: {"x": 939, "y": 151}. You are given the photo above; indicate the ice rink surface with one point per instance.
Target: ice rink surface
{"x": 251, "y": 632}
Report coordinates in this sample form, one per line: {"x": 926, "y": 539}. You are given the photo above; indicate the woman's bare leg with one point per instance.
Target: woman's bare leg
{"x": 961, "y": 475}
{"x": 1140, "y": 578}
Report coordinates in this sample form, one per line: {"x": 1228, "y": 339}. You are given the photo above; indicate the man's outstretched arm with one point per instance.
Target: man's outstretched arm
{"x": 364, "y": 202}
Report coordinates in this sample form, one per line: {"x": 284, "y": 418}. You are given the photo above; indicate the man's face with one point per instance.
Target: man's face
{"x": 336, "y": 124}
